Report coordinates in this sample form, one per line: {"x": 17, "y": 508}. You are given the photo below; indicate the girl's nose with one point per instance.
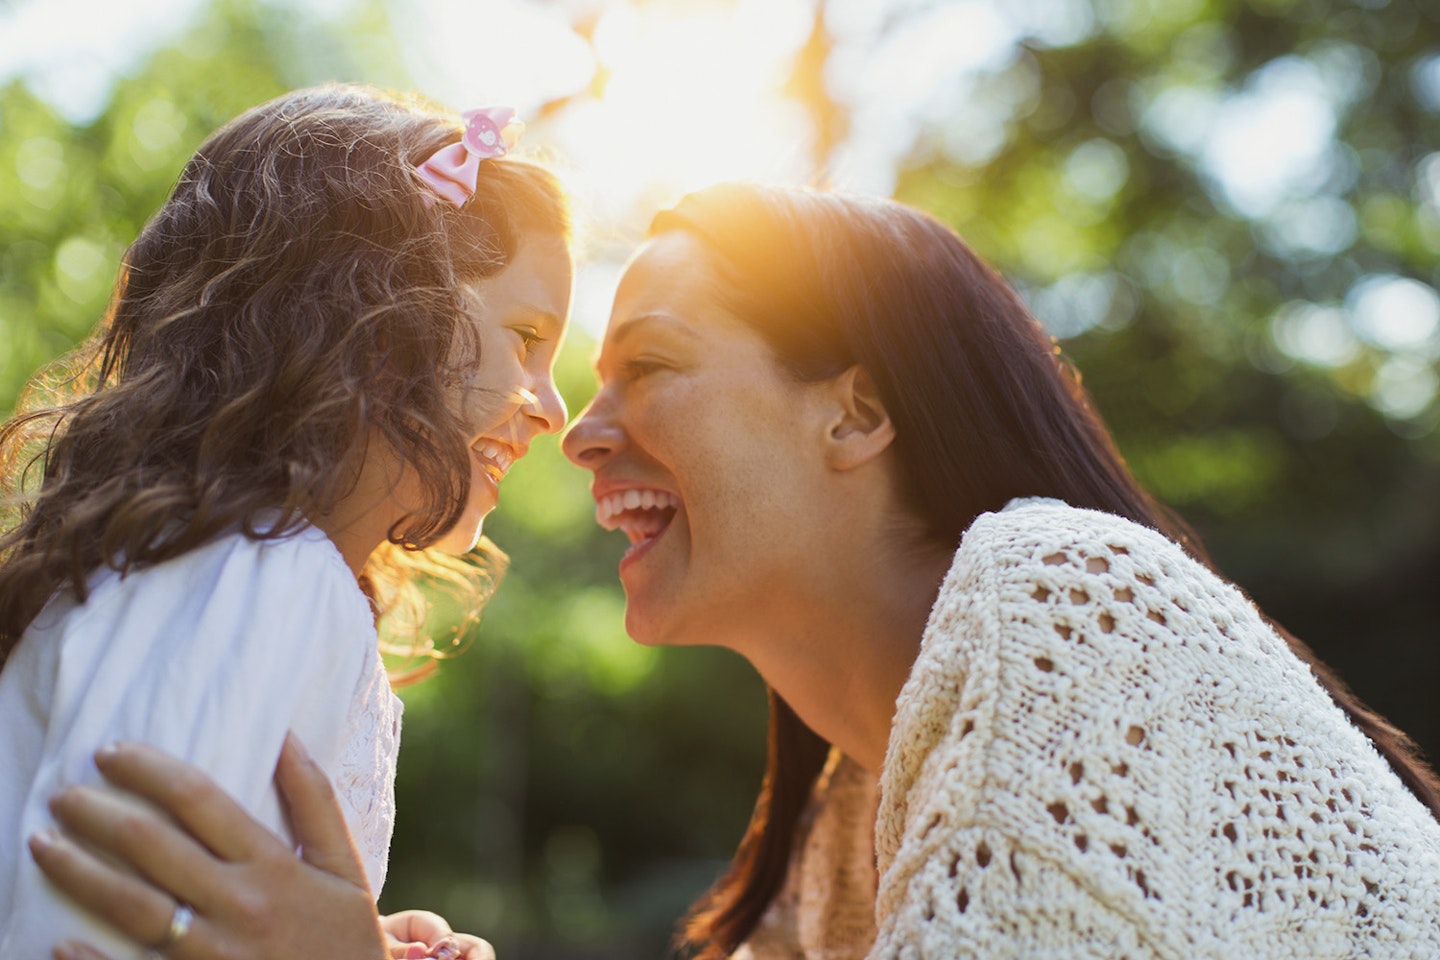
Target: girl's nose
{"x": 548, "y": 406}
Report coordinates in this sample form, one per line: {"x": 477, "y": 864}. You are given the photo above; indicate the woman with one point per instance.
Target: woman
{"x": 1087, "y": 743}
{"x": 323, "y": 354}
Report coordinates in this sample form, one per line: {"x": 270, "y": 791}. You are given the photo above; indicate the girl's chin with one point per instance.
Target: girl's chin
{"x": 462, "y": 537}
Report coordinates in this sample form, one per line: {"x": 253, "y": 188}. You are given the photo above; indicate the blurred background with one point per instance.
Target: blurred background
{"x": 1227, "y": 211}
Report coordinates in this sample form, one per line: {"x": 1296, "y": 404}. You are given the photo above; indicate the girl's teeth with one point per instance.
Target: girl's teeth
{"x": 498, "y": 459}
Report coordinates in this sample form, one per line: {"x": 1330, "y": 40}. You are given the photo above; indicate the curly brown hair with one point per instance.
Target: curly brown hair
{"x": 295, "y": 298}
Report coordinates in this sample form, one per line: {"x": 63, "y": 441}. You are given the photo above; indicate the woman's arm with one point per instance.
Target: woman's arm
{"x": 251, "y": 895}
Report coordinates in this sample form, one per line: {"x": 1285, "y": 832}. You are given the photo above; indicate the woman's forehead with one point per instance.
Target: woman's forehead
{"x": 673, "y": 273}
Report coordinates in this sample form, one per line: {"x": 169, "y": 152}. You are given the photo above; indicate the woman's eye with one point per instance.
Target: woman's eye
{"x": 637, "y": 367}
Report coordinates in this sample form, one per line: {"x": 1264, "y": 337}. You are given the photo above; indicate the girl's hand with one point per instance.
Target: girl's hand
{"x": 252, "y": 897}
{"x": 418, "y": 934}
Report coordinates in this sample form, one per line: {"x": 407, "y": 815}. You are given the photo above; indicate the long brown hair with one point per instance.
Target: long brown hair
{"x": 985, "y": 410}
{"x": 294, "y": 299}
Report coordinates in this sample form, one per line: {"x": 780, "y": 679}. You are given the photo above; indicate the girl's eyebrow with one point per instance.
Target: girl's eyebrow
{"x": 535, "y": 315}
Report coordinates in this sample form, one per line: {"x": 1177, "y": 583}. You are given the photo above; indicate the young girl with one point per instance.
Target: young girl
{"x": 323, "y": 354}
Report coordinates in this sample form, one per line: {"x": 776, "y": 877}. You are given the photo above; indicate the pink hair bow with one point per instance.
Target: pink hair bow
{"x": 452, "y": 171}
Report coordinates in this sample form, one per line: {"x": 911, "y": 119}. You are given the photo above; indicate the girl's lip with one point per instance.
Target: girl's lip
{"x": 483, "y": 467}
{"x": 495, "y": 457}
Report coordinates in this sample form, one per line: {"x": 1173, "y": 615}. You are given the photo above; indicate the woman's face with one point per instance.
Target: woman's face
{"x": 698, "y": 440}
{"x": 506, "y": 395}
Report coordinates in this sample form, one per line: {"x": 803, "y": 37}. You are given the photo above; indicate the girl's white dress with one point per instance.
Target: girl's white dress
{"x": 211, "y": 656}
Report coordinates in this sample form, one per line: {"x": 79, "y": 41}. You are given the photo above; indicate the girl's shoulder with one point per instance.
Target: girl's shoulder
{"x": 306, "y": 557}
{"x": 300, "y": 577}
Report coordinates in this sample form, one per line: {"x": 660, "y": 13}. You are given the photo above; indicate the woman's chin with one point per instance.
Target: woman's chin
{"x": 661, "y": 625}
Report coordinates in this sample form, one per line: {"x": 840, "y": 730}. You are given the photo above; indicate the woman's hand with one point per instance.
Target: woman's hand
{"x": 252, "y": 897}
{"x": 419, "y": 933}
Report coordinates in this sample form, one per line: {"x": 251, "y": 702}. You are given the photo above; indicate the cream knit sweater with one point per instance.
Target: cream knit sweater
{"x": 1104, "y": 751}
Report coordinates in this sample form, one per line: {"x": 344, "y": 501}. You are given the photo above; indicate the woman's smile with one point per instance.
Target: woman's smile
{"x": 641, "y": 513}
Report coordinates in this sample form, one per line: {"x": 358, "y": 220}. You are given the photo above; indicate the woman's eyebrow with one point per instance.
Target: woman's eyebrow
{"x": 646, "y": 321}
{"x": 636, "y": 328}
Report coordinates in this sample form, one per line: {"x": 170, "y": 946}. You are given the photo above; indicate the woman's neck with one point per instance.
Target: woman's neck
{"x": 847, "y": 655}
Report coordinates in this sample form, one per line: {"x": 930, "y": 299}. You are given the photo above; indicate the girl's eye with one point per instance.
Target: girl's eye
{"x": 529, "y": 337}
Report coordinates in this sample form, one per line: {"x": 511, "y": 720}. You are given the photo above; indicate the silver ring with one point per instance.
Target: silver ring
{"x": 180, "y": 922}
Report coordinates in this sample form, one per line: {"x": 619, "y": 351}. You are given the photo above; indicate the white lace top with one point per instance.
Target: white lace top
{"x": 1104, "y": 751}
{"x": 212, "y": 656}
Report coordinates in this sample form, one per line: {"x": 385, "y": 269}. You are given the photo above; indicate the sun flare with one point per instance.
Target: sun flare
{"x": 688, "y": 94}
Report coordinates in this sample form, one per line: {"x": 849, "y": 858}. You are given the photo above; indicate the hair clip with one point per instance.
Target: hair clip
{"x": 452, "y": 171}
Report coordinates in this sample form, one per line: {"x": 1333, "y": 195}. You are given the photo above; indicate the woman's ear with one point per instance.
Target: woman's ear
{"x": 861, "y": 429}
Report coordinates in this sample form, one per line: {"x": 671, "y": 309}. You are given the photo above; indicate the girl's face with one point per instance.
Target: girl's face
{"x": 699, "y": 443}
{"x": 507, "y": 395}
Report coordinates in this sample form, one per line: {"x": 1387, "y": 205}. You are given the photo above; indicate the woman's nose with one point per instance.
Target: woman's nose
{"x": 593, "y": 437}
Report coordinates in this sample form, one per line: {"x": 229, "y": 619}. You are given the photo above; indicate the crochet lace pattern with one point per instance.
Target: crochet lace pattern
{"x": 1104, "y": 751}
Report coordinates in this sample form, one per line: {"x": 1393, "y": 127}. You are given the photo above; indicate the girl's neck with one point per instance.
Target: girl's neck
{"x": 361, "y": 519}
{"x": 354, "y": 544}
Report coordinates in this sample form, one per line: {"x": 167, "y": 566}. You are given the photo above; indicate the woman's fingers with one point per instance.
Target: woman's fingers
{"x": 124, "y": 828}
{"x": 315, "y": 814}
{"x": 125, "y": 902}
{"x": 253, "y": 898}
{"x": 188, "y": 795}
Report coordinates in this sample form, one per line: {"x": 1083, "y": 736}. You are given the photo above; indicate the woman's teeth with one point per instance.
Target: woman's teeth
{"x": 642, "y": 514}
{"x": 495, "y": 459}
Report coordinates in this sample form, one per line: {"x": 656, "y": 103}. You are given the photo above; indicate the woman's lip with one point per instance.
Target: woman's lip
{"x": 641, "y": 548}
